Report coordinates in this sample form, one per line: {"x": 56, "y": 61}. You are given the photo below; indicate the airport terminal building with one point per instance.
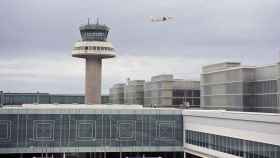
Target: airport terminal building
{"x": 229, "y": 134}
{"x": 90, "y": 131}
{"x": 109, "y": 131}
{"x": 161, "y": 91}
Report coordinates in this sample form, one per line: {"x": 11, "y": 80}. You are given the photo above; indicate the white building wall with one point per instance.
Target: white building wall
{"x": 258, "y": 127}
{"x": 267, "y": 72}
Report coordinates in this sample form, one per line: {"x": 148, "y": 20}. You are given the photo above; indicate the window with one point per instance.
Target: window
{"x": 190, "y": 101}
{"x": 196, "y": 93}
{"x": 196, "y": 101}
{"x": 178, "y": 93}
{"x": 189, "y": 93}
{"x": 177, "y": 101}
{"x": 234, "y": 146}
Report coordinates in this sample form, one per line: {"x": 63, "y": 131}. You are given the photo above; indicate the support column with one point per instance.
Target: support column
{"x": 1, "y": 98}
{"x": 93, "y": 80}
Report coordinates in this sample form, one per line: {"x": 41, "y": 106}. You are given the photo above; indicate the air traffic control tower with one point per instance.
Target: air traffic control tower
{"x": 94, "y": 47}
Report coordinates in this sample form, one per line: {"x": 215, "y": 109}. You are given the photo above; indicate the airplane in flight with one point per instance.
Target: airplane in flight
{"x": 160, "y": 19}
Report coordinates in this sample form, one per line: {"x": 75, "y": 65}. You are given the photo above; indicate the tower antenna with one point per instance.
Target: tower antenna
{"x": 88, "y": 20}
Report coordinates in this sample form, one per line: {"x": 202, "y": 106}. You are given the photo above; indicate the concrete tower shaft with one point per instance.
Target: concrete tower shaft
{"x": 93, "y": 48}
{"x": 93, "y": 80}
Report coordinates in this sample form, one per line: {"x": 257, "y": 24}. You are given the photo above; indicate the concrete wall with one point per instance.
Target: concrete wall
{"x": 158, "y": 92}
{"x": 222, "y": 89}
{"x": 134, "y": 92}
{"x": 117, "y": 94}
{"x": 219, "y": 66}
{"x": 267, "y": 72}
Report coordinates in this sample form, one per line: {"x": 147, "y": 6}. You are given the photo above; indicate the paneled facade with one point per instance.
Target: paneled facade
{"x": 161, "y": 91}
{"x": 165, "y": 91}
{"x": 31, "y": 130}
{"x": 237, "y": 87}
{"x": 117, "y": 93}
{"x": 134, "y": 92}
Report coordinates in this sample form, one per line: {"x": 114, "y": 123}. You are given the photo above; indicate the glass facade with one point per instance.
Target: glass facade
{"x": 94, "y": 32}
{"x": 89, "y": 130}
{"x": 233, "y": 146}
{"x": 44, "y": 98}
{"x": 191, "y": 96}
{"x": 261, "y": 96}
{"x": 269, "y": 86}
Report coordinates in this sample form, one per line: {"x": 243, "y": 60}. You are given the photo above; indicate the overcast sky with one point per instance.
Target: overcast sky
{"x": 36, "y": 38}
